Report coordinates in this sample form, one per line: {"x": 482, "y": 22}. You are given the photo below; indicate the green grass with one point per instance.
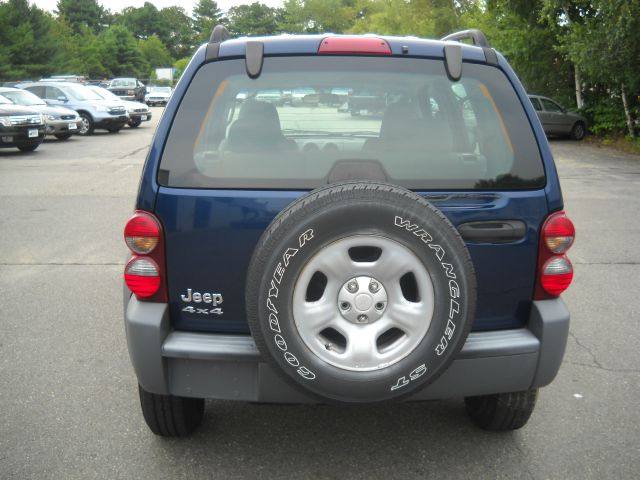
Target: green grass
{"x": 625, "y": 144}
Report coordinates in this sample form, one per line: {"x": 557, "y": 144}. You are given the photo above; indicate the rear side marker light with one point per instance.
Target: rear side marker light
{"x": 141, "y": 233}
{"x": 142, "y": 276}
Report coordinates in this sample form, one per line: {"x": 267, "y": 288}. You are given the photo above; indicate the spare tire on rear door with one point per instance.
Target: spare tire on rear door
{"x": 360, "y": 292}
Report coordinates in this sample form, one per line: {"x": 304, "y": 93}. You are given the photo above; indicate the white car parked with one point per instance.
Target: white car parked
{"x": 158, "y": 95}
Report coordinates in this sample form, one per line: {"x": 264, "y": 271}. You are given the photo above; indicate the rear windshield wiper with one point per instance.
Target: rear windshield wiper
{"x": 324, "y": 133}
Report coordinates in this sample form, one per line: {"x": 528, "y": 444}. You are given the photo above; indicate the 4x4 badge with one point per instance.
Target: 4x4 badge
{"x": 214, "y": 299}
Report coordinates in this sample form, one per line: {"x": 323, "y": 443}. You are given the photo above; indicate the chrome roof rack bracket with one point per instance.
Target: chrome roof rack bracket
{"x": 219, "y": 35}
{"x": 478, "y": 39}
{"x": 476, "y": 36}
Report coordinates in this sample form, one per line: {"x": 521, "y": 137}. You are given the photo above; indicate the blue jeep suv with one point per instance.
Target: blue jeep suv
{"x": 294, "y": 254}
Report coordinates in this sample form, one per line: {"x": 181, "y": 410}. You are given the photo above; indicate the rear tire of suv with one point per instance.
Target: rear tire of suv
{"x": 62, "y": 136}
{"x": 135, "y": 123}
{"x": 360, "y": 292}
{"x": 86, "y": 124}
{"x": 169, "y": 416}
{"x": 578, "y": 131}
{"x": 501, "y": 411}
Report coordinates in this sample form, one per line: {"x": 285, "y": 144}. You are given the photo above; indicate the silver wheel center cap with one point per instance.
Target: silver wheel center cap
{"x": 362, "y": 300}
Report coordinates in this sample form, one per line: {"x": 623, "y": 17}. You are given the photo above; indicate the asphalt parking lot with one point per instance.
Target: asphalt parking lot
{"x": 68, "y": 398}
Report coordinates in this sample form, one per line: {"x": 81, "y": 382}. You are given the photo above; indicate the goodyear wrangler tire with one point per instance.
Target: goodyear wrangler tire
{"x": 360, "y": 292}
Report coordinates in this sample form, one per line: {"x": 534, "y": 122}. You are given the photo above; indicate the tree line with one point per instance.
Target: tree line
{"x": 584, "y": 53}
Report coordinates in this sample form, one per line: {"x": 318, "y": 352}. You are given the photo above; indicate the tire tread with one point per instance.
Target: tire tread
{"x": 502, "y": 411}
{"x": 170, "y": 416}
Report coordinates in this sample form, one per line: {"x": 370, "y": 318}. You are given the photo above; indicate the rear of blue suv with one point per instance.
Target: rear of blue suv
{"x": 298, "y": 253}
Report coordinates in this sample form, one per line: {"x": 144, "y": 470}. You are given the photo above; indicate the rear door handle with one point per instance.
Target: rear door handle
{"x": 494, "y": 231}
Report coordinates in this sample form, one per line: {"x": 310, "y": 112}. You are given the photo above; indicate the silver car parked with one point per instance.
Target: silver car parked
{"x": 138, "y": 112}
{"x": 60, "y": 122}
{"x": 557, "y": 120}
{"x": 94, "y": 111}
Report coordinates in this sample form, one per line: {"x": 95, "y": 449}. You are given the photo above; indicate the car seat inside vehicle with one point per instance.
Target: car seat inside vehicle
{"x": 257, "y": 129}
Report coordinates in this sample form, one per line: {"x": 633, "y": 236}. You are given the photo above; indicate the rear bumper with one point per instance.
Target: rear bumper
{"x": 111, "y": 121}
{"x": 230, "y": 366}
{"x": 19, "y": 135}
{"x": 62, "y": 126}
{"x": 144, "y": 117}
{"x": 125, "y": 97}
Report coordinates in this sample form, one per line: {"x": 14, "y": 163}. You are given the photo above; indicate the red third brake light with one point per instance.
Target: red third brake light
{"x": 145, "y": 272}
{"x": 354, "y": 45}
{"x": 555, "y": 271}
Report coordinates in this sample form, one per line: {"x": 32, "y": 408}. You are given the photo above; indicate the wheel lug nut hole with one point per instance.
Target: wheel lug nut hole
{"x": 379, "y": 306}
{"x": 345, "y": 306}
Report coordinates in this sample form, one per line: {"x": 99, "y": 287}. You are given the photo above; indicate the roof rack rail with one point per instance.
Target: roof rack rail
{"x": 219, "y": 35}
{"x": 479, "y": 39}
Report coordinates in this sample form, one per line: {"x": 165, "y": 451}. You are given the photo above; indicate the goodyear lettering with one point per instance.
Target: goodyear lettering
{"x": 274, "y": 323}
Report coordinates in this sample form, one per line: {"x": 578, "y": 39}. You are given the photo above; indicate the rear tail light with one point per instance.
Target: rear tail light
{"x": 555, "y": 271}
{"x": 145, "y": 273}
{"x": 142, "y": 233}
{"x": 142, "y": 276}
{"x": 558, "y": 233}
{"x": 557, "y": 274}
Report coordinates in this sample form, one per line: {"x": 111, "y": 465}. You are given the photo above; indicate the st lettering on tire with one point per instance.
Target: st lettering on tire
{"x": 360, "y": 292}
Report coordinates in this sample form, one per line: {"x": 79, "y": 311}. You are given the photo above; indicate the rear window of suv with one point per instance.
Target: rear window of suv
{"x": 309, "y": 121}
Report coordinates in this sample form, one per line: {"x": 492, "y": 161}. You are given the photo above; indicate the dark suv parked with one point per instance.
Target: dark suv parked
{"x": 20, "y": 127}
{"x": 301, "y": 254}
{"x": 59, "y": 121}
{"x": 128, "y": 89}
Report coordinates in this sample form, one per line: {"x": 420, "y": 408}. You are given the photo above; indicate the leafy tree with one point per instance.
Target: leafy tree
{"x": 606, "y": 47}
{"x": 144, "y": 21}
{"x": 120, "y": 53}
{"x": 565, "y": 13}
{"x": 317, "y": 16}
{"x": 82, "y": 13}
{"x": 206, "y": 15}
{"x": 519, "y": 30}
{"x": 179, "y": 36}
{"x": 27, "y": 44}
{"x": 428, "y": 18}
{"x": 254, "y": 19}
{"x": 154, "y": 52}
{"x": 180, "y": 66}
